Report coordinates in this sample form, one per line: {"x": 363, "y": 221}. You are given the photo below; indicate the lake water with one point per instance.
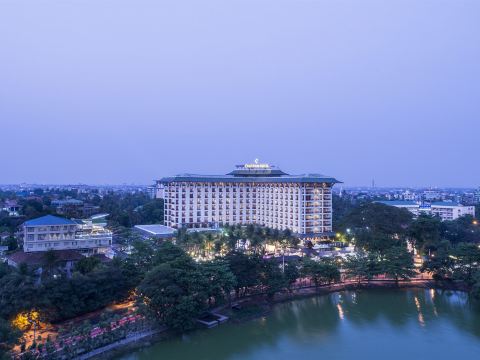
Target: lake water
{"x": 366, "y": 324}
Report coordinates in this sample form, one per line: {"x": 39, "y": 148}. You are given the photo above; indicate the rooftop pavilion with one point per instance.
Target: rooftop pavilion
{"x": 255, "y": 172}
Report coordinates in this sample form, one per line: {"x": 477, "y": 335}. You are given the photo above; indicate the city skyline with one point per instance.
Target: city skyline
{"x": 361, "y": 92}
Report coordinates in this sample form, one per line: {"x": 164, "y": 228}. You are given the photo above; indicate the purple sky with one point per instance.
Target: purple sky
{"x": 98, "y": 91}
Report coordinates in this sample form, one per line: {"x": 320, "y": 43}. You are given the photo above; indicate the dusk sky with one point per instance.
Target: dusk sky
{"x": 97, "y": 92}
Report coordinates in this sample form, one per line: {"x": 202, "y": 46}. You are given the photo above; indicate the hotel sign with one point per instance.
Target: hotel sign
{"x": 256, "y": 165}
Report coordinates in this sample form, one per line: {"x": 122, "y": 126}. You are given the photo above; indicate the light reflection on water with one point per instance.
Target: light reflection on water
{"x": 361, "y": 324}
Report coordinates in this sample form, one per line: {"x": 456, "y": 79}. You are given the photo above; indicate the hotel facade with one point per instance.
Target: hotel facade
{"x": 251, "y": 194}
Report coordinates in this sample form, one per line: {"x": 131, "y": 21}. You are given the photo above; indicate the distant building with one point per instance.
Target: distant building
{"x": 467, "y": 198}
{"x": 155, "y": 231}
{"x": 74, "y": 207}
{"x": 451, "y": 210}
{"x": 432, "y": 195}
{"x": 11, "y": 207}
{"x": 251, "y": 194}
{"x": 409, "y": 195}
{"x": 152, "y": 192}
{"x": 445, "y": 210}
{"x": 56, "y": 233}
{"x": 477, "y": 196}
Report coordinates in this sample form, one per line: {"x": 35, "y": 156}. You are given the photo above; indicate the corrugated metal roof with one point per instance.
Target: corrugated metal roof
{"x": 49, "y": 220}
{"x": 446, "y": 203}
{"x": 398, "y": 202}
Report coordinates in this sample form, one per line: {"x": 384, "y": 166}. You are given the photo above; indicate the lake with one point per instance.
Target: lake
{"x": 364, "y": 324}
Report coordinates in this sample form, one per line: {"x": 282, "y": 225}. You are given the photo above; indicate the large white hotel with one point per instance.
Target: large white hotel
{"x": 251, "y": 194}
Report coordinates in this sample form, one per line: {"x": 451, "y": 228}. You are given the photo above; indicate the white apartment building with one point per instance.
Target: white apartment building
{"x": 55, "y": 233}
{"x": 450, "y": 210}
{"x": 445, "y": 210}
{"x": 251, "y": 194}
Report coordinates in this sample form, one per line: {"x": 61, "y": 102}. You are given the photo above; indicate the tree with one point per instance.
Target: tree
{"x": 219, "y": 280}
{"x": 271, "y": 277}
{"x": 377, "y": 217}
{"x": 324, "y": 271}
{"x": 50, "y": 259}
{"x": 397, "y": 262}
{"x": 362, "y": 266}
{"x": 245, "y": 269}
{"x": 368, "y": 240}
{"x": 425, "y": 233}
{"x": 440, "y": 263}
{"x": 9, "y": 337}
{"x": 87, "y": 264}
{"x": 476, "y": 285}
{"x": 466, "y": 262}
{"x": 291, "y": 274}
{"x": 464, "y": 229}
{"x": 142, "y": 256}
{"x": 174, "y": 294}
{"x": 168, "y": 252}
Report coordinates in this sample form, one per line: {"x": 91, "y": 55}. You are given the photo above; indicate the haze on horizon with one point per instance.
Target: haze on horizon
{"x": 124, "y": 91}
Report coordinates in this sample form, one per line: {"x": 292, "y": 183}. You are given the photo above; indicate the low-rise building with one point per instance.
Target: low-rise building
{"x": 11, "y": 207}
{"x": 55, "y": 233}
{"x": 477, "y": 196}
{"x": 64, "y": 259}
{"x": 445, "y": 210}
{"x": 450, "y": 210}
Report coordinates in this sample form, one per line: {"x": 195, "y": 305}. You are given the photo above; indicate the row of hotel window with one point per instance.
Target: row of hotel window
{"x": 266, "y": 186}
{"x": 310, "y": 221}
{"x": 56, "y": 236}
{"x": 254, "y": 195}
{"x": 248, "y": 203}
{"x": 51, "y": 228}
{"x": 273, "y": 213}
{"x": 69, "y": 243}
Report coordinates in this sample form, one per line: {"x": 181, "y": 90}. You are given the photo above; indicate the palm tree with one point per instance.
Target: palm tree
{"x": 50, "y": 259}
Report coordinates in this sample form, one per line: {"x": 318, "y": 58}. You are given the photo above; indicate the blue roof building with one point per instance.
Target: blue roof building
{"x": 57, "y": 233}
{"x": 48, "y": 220}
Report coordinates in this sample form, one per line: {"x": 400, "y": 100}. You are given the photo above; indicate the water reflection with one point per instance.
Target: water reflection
{"x": 343, "y": 325}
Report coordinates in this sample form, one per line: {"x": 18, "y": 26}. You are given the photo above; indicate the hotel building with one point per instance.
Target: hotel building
{"x": 251, "y": 194}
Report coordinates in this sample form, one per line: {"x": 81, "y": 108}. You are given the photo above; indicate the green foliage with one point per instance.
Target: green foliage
{"x": 397, "y": 262}
{"x": 271, "y": 277}
{"x": 18, "y": 293}
{"x": 291, "y": 273}
{"x": 368, "y": 240}
{"x": 321, "y": 272}
{"x": 175, "y": 294}
{"x": 220, "y": 281}
{"x": 466, "y": 262}
{"x": 476, "y": 285}
{"x": 245, "y": 269}
{"x": 463, "y": 229}
{"x": 62, "y": 298}
{"x": 362, "y": 266}
{"x": 87, "y": 265}
{"x": 9, "y": 337}
{"x": 377, "y": 217}
{"x": 425, "y": 232}
{"x": 440, "y": 263}
{"x": 131, "y": 209}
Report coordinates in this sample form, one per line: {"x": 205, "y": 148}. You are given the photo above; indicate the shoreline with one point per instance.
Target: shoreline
{"x": 151, "y": 337}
